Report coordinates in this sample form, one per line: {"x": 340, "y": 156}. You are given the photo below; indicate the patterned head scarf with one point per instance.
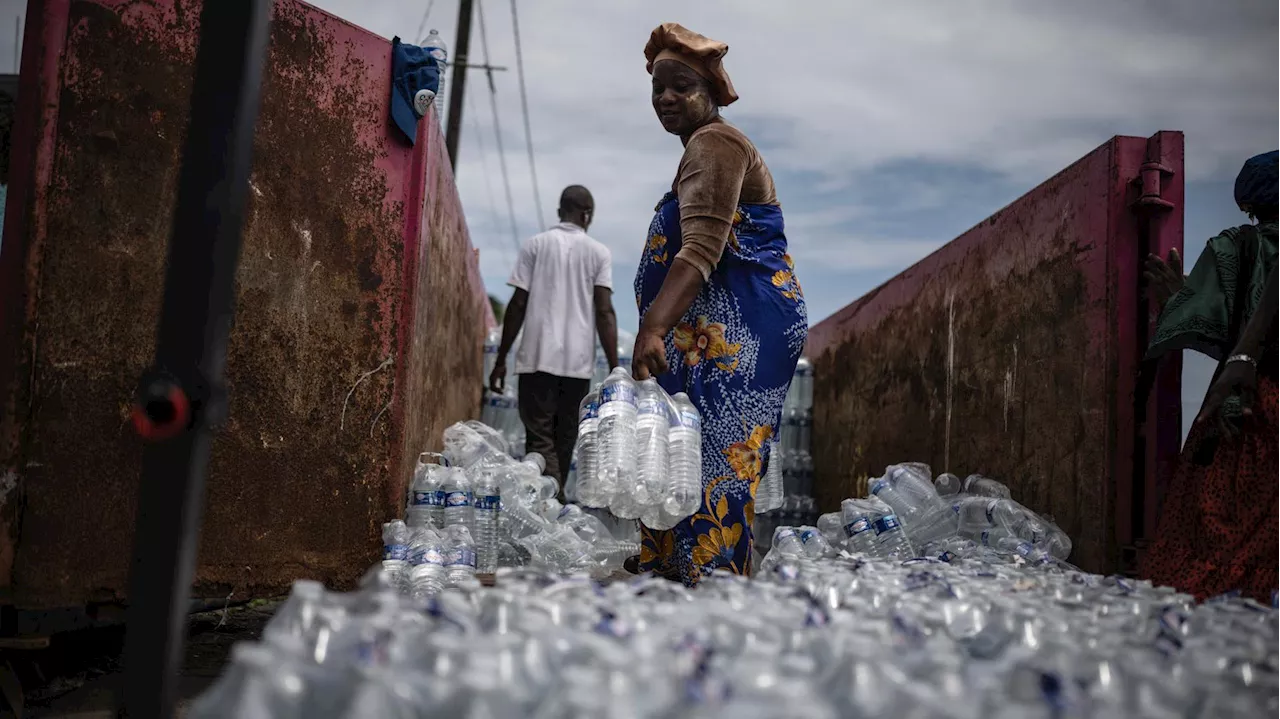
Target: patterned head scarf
{"x": 673, "y": 41}
{"x": 1256, "y": 183}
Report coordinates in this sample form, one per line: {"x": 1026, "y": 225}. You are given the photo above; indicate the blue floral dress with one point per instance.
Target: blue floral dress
{"x": 734, "y": 353}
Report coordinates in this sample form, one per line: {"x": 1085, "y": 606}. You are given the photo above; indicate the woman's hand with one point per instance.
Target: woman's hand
{"x": 1164, "y": 279}
{"x": 1237, "y": 378}
{"x": 649, "y": 358}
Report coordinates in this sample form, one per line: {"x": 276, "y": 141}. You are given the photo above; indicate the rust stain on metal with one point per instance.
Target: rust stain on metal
{"x": 989, "y": 356}
{"x": 309, "y": 464}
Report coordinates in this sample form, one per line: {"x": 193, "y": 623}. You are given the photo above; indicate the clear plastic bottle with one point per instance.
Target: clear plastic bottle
{"x": 804, "y": 381}
{"x": 770, "y": 491}
{"x": 588, "y": 451}
{"x": 832, "y": 527}
{"x": 488, "y": 502}
{"x": 617, "y": 440}
{"x": 947, "y": 484}
{"x": 891, "y": 539}
{"x": 395, "y": 540}
{"x": 652, "y": 445}
{"x": 859, "y": 532}
{"x": 440, "y": 51}
{"x": 458, "y": 500}
{"x": 815, "y": 543}
{"x": 985, "y": 487}
{"x": 460, "y": 557}
{"x": 804, "y": 430}
{"x": 684, "y": 460}
{"x": 426, "y": 495}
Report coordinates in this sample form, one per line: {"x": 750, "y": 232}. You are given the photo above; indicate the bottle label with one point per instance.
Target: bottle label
{"x": 563, "y": 511}
{"x": 651, "y": 406}
{"x": 784, "y": 534}
{"x": 806, "y": 536}
{"x": 991, "y": 510}
{"x": 428, "y": 499}
{"x": 439, "y": 56}
{"x": 395, "y": 551}
{"x": 878, "y": 485}
{"x": 433, "y": 556}
{"x": 618, "y": 393}
{"x": 887, "y": 523}
{"x": 857, "y": 526}
{"x": 487, "y": 502}
{"x": 462, "y": 557}
{"x": 591, "y": 411}
{"x": 688, "y": 418}
{"x": 457, "y": 499}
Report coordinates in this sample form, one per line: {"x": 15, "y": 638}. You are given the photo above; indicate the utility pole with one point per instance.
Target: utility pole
{"x": 459, "y": 84}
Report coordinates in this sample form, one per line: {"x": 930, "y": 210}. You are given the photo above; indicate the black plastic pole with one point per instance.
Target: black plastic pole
{"x": 182, "y": 399}
{"x": 458, "y": 85}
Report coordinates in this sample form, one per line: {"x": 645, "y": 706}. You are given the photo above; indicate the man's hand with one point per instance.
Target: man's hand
{"x": 498, "y": 378}
{"x": 649, "y": 358}
{"x": 1164, "y": 279}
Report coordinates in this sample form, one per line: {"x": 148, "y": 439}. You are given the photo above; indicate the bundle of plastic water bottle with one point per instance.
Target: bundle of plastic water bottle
{"x": 475, "y": 508}
{"x": 785, "y": 495}
{"x": 843, "y": 637}
{"x": 639, "y": 452}
{"x": 910, "y": 514}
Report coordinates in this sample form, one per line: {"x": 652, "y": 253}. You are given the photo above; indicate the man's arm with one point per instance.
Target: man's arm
{"x": 512, "y": 321}
{"x": 607, "y": 324}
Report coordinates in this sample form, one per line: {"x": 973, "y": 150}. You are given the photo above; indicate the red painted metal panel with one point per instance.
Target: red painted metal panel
{"x": 1013, "y": 351}
{"x": 354, "y": 242}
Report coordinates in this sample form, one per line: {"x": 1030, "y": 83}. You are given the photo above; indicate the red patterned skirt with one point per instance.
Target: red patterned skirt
{"x": 1218, "y": 528}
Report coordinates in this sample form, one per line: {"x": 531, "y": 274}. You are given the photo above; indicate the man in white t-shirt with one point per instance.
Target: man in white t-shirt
{"x": 563, "y": 284}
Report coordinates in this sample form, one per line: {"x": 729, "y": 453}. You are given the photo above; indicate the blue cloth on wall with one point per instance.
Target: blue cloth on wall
{"x": 412, "y": 69}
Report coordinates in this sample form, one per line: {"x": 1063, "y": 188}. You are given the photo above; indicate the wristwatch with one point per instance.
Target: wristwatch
{"x": 1242, "y": 358}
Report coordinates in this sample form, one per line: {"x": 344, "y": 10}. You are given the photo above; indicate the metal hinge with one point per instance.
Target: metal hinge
{"x": 1148, "y": 182}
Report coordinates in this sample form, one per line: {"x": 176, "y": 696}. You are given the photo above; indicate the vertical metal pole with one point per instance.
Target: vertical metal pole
{"x": 182, "y": 399}
{"x": 458, "y": 88}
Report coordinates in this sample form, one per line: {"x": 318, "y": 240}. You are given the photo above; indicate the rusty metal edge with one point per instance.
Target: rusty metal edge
{"x": 34, "y": 132}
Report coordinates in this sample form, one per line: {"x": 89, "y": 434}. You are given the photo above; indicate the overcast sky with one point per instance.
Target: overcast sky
{"x": 890, "y": 128}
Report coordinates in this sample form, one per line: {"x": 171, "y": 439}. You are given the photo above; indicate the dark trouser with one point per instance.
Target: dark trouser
{"x": 549, "y": 410}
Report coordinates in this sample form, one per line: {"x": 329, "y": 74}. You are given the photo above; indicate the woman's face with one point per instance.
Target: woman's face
{"x": 681, "y": 98}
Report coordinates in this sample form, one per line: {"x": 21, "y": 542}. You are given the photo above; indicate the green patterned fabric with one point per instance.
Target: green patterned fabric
{"x": 1220, "y": 294}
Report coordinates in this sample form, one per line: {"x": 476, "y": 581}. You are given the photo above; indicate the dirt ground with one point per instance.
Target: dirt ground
{"x": 80, "y": 673}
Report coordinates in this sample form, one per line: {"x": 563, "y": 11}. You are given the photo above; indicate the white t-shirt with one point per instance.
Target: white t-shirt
{"x": 560, "y": 270}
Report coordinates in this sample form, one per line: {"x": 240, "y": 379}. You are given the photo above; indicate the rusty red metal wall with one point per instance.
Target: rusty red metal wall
{"x": 1014, "y": 351}
{"x": 360, "y": 312}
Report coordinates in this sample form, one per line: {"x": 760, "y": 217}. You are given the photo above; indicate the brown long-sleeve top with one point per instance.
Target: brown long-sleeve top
{"x": 720, "y": 169}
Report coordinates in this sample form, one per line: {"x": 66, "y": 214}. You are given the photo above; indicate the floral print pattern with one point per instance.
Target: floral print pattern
{"x": 734, "y": 353}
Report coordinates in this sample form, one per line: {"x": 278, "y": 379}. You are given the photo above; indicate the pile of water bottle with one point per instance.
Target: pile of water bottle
{"x": 910, "y": 514}
{"x": 785, "y": 495}
{"x": 848, "y": 636}
{"x": 474, "y": 508}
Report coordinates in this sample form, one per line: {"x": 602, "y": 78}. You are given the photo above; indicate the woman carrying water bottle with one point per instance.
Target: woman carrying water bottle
{"x": 722, "y": 315}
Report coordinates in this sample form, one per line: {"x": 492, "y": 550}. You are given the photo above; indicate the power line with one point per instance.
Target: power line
{"x": 422, "y": 26}
{"x": 524, "y": 107}
{"x": 484, "y": 161}
{"x": 497, "y": 129}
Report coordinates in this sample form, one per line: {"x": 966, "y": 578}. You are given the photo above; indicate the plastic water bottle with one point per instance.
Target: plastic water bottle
{"x": 458, "y": 500}
{"x": 684, "y": 460}
{"x": 571, "y": 478}
{"x": 947, "y": 484}
{"x": 617, "y": 440}
{"x": 588, "y": 451}
{"x": 488, "y": 500}
{"x": 436, "y": 46}
{"x": 804, "y": 381}
{"x": 395, "y": 540}
{"x": 891, "y": 539}
{"x": 769, "y": 493}
{"x": 858, "y": 518}
{"x": 985, "y": 487}
{"x": 908, "y": 489}
{"x": 426, "y": 494}
{"x": 815, "y": 543}
{"x": 832, "y": 528}
{"x": 652, "y": 444}
{"x": 492, "y": 340}
{"x": 460, "y": 557}
{"x": 804, "y": 429}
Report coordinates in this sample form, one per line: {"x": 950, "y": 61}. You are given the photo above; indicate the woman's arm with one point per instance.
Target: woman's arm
{"x": 1239, "y": 375}
{"x": 708, "y": 185}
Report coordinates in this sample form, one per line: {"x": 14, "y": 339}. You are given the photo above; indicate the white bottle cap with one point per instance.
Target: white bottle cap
{"x": 422, "y": 100}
